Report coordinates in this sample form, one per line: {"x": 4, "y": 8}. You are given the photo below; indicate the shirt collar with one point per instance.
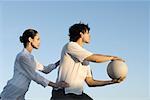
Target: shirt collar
{"x": 76, "y": 44}
{"x": 26, "y": 51}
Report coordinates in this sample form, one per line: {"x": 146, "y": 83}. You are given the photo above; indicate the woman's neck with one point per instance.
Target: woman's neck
{"x": 29, "y": 48}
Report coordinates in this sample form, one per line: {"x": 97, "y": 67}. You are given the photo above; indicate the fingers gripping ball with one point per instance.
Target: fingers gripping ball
{"x": 117, "y": 69}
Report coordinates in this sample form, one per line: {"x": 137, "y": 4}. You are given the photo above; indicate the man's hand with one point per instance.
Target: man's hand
{"x": 117, "y": 58}
{"x": 118, "y": 80}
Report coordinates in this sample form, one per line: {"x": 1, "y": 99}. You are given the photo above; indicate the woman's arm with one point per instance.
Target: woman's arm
{"x": 47, "y": 69}
{"x": 28, "y": 67}
{"x": 61, "y": 84}
{"x": 29, "y": 70}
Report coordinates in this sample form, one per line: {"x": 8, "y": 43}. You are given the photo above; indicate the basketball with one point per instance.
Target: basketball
{"x": 117, "y": 69}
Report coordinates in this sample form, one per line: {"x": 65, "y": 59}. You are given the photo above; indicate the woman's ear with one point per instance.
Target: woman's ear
{"x": 30, "y": 39}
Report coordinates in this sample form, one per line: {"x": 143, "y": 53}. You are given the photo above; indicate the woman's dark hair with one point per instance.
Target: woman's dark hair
{"x": 74, "y": 31}
{"x": 26, "y": 34}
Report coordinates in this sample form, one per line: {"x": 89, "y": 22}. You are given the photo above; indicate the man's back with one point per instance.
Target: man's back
{"x": 73, "y": 69}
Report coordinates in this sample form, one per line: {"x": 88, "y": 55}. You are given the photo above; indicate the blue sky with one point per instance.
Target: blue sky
{"x": 118, "y": 28}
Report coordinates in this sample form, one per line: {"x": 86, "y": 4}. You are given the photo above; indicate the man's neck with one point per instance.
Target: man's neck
{"x": 80, "y": 42}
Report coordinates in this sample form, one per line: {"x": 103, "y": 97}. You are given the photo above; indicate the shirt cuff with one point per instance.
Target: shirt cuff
{"x": 46, "y": 82}
{"x": 52, "y": 66}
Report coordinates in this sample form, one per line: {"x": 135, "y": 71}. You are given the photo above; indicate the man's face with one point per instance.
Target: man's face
{"x": 86, "y": 37}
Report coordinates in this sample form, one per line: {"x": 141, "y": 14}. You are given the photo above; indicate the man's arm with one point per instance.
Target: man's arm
{"x": 98, "y": 58}
{"x": 94, "y": 83}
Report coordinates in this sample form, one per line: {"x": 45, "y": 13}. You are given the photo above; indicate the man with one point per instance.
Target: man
{"x": 74, "y": 66}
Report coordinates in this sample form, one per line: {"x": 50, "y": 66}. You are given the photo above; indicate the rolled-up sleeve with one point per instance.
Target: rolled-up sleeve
{"x": 89, "y": 72}
{"x": 29, "y": 68}
{"x": 77, "y": 51}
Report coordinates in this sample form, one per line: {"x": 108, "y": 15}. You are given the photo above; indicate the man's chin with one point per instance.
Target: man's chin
{"x": 87, "y": 42}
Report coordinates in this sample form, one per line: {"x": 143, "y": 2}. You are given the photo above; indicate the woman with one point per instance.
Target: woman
{"x": 25, "y": 69}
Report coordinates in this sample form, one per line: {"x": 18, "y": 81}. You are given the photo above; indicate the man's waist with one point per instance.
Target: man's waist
{"x": 77, "y": 91}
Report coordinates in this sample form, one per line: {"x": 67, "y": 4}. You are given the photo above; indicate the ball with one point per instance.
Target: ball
{"x": 117, "y": 69}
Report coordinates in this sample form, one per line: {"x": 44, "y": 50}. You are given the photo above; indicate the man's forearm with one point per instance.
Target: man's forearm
{"x": 99, "y": 58}
{"x": 96, "y": 83}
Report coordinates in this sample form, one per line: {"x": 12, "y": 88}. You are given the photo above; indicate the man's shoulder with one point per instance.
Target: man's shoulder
{"x": 68, "y": 45}
{"x": 72, "y": 45}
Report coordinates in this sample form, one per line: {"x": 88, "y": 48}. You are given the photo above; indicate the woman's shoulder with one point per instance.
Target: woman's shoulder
{"x": 21, "y": 54}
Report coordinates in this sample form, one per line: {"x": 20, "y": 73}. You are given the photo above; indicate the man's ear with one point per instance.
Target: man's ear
{"x": 81, "y": 34}
{"x": 30, "y": 39}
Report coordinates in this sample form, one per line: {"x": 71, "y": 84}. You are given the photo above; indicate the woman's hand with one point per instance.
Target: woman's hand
{"x": 61, "y": 84}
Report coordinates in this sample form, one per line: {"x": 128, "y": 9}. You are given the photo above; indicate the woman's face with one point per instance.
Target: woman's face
{"x": 35, "y": 42}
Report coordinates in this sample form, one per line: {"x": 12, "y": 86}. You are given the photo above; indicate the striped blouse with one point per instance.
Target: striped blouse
{"x": 24, "y": 71}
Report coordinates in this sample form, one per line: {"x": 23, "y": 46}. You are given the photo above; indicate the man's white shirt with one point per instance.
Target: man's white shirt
{"x": 73, "y": 67}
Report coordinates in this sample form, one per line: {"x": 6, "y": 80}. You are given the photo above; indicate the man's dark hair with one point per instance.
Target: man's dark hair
{"x": 74, "y": 31}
